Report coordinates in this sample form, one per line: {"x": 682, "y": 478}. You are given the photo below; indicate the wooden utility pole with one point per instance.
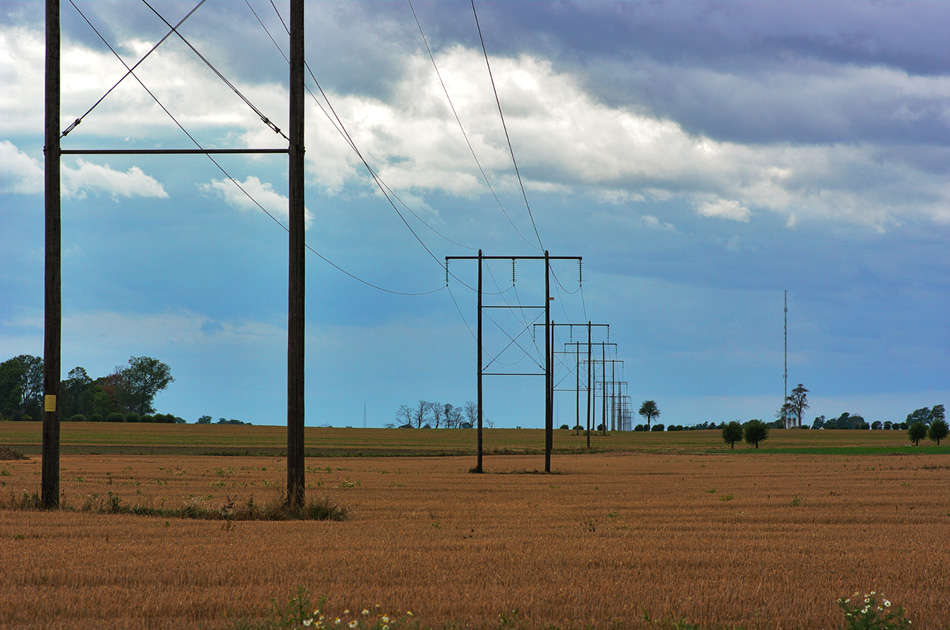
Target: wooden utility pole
{"x": 548, "y": 368}
{"x": 52, "y": 335}
{"x": 296, "y": 304}
{"x": 478, "y": 466}
{"x": 589, "y": 384}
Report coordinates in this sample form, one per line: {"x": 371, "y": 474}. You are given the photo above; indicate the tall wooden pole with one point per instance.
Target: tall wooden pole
{"x": 589, "y": 383}
{"x": 603, "y": 392}
{"x": 296, "y": 304}
{"x": 478, "y": 466}
{"x": 548, "y": 367}
{"x": 577, "y": 390}
{"x": 53, "y": 300}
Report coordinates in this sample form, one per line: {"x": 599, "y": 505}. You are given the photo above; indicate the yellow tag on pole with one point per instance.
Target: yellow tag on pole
{"x": 49, "y": 403}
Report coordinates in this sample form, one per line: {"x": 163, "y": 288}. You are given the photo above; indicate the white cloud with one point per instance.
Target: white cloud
{"x": 22, "y": 174}
{"x": 261, "y": 192}
{"x": 566, "y": 139}
{"x": 86, "y": 177}
{"x": 652, "y": 222}
{"x": 19, "y": 173}
{"x": 725, "y": 209}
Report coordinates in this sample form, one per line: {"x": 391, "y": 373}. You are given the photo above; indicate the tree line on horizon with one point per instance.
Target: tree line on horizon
{"x": 434, "y": 415}
{"x": 125, "y": 395}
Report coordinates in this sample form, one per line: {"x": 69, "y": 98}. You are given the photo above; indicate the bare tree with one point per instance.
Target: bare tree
{"x": 438, "y": 414}
{"x": 453, "y": 416}
{"x": 471, "y": 413}
{"x": 421, "y": 413}
{"x": 404, "y": 416}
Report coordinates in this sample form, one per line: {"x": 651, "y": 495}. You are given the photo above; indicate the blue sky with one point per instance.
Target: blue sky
{"x": 702, "y": 158}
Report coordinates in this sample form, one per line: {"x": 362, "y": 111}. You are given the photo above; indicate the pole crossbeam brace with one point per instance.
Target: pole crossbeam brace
{"x": 168, "y": 151}
{"x": 513, "y": 373}
{"x": 548, "y": 347}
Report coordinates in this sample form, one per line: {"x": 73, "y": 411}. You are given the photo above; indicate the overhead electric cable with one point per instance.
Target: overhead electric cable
{"x": 514, "y": 340}
{"x": 501, "y": 114}
{"x": 230, "y": 178}
{"x": 383, "y": 188}
{"x": 260, "y": 114}
{"x": 459, "y": 309}
{"x": 341, "y": 128}
{"x": 128, "y": 69}
{"x": 461, "y": 127}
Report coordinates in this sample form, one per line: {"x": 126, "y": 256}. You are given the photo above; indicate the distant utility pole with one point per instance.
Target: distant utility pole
{"x": 784, "y": 400}
{"x": 592, "y": 379}
{"x": 589, "y": 387}
{"x": 548, "y": 368}
{"x": 577, "y": 345}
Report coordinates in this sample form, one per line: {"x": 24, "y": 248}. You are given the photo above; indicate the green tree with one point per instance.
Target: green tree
{"x": 71, "y": 392}
{"x": 938, "y": 430}
{"x": 21, "y": 387}
{"x": 204, "y": 420}
{"x": 917, "y": 432}
{"x": 937, "y": 412}
{"x": 141, "y": 381}
{"x": 649, "y": 411}
{"x": 732, "y": 433}
{"x": 797, "y": 404}
{"x": 923, "y": 415}
{"x": 755, "y": 431}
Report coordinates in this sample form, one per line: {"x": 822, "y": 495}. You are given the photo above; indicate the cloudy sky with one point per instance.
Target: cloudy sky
{"x": 702, "y": 157}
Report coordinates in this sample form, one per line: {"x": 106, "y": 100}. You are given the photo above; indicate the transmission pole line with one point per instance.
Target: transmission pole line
{"x": 548, "y": 353}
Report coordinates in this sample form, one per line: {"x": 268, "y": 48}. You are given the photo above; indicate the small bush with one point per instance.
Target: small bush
{"x": 25, "y": 501}
{"x": 115, "y": 416}
{"x": 10, "y": 454}
{"x": 78, "y": 418}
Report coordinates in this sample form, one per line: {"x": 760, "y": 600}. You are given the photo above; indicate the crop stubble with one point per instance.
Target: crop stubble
{"x": 721, "y": 539}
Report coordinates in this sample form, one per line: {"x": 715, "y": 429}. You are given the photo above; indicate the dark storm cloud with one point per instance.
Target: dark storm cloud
{"x": 747, "y": 71}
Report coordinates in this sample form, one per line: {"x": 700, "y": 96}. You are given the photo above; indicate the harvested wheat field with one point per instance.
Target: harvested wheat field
{"x": 719, "y": 539}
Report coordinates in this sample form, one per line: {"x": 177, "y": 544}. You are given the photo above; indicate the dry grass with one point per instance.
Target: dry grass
{"x": 714, "y": 539}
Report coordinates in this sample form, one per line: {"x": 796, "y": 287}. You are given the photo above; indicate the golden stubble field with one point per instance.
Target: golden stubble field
{"x": 724, "y": 539}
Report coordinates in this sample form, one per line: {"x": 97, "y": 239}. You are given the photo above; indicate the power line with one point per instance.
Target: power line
{"x": 505, "y": 126}
{"x": 228, "y": 175}
{"x": 247, "y": 101}
{"x": 341, "y": 128}
{"x": 128, "y": 69}
{"x": 461, "y": 127}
